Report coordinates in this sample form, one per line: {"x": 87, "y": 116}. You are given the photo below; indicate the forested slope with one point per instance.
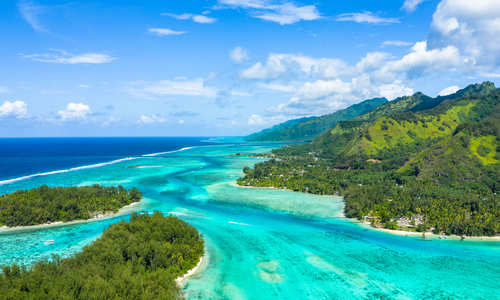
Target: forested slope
{"x": 308, "y": 128}
{"x": 431, "y": 159}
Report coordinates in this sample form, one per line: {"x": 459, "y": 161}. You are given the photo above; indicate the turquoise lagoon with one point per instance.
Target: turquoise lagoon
{"x": 264, "y": 243}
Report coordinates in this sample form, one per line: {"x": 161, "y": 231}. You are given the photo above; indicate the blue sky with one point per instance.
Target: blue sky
{"x": 228, "y": 67}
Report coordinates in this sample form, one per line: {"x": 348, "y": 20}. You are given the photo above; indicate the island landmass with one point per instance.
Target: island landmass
{"x": 140, "y": 259}
{"x": 49, "y": 205}
{"x": 415, "y": 164}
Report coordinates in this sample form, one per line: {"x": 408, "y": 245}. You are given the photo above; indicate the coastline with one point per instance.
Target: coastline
{"x": 413, "y": 234}
{"x": 182, "y": 280}
{"x": 428, "y": 235}
{"x": 102, "y": 216}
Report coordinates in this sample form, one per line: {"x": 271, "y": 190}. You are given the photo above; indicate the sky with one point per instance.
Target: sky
{"x": 228, "y": 67}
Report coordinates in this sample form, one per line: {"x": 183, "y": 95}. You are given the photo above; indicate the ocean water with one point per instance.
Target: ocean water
{"x": 262, "y": 243}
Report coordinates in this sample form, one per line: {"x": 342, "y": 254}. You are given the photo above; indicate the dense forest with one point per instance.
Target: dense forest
{"x": 139, "y": 259}
{"x": 415, "y": 163}
{"x": 304, "y": 129}
{"x": 50, "y": 204}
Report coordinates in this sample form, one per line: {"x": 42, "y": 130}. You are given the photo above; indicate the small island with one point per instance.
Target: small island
{"x": 45, "y": 205}
{"x": 140, "y": 259}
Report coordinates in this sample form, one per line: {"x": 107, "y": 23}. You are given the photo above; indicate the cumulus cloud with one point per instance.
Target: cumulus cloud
{"x": 394, "y": 90}
{"x": 16, "y": 109}
{"x": 323, "y": 88}
{"x": 365, "y": 17}
{"x": 74, "y": 111}
{"x": 177, "y": 87}
{"x": 463, "y": 39}
{"x": 330, "y": 84}
{"x": 449, "y": 90}
{"x": 165, "y": 31}
{"x": 421, "y": 59}
{"x": 473, "y": 27}
{"x": 279, "y": 64}
{"x": 238, "y": 55}
{"x": 411, "y": 5}
{"x": 63, "y": 57}
{"x": 325, "y": 96}
{"x": 283, "y": 13}
{"x": 202, "y": 19}
{"x": 151, "y": 119}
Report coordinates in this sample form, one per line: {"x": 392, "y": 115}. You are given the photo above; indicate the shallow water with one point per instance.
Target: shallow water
{"x": 268, "y": 244}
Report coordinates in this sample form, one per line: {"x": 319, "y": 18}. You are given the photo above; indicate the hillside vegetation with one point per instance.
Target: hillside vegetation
{"x": 51, "y": 204}
{"x": 415, "y": 163}
{"x": 304, "y": 129}
{"x": 139, "y": 259}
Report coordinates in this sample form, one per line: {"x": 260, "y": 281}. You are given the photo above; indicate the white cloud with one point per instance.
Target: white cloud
{"x": 30, "y": 12}
{"x": 165, "y": 31}
{"x": 17, "y": 109}
{"x": 278, "y": 64}
{"x": 177, "y": 87}
{"x": 394, "y": 90}
{"x": 256, "y": 120}
{"x": 283, "y": 13}
{"x": 449, "y": 90}
{"x": 238, "y": 55}
{"x": 330, "y": 84}
{"x": 202, "y": 19}
{"x": 323, "y": 88}
{"x": 365, "y": 17}
{"x": 151, "y": 119}
{"x": 372, "y": 61}
{"x": 421, "y": 60}
{"x": 74, "y": 111}
{"x": 181, "y": 122}
{"x": 396, "y": 43}
{"x": 63, "y": 57}
{"x": 411, "y": 5}
{"x": 473, "y": 27}
{"x": 83, "y": 86}
{"x": 326, "y": 96}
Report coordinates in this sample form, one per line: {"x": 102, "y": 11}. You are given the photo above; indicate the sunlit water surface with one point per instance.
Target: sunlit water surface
{"x": 264, "y": 243}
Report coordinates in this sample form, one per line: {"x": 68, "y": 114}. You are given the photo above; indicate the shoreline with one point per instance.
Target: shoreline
{"x": 182, "y": 280}
{"x": 398, "y": 232}
{"x": 428, "y": 235}
{"x": 278, "y": 189}
{"x": 102, "y": 216}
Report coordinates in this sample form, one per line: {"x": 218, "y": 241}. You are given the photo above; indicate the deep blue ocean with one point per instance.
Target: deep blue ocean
{"x": 25, "y": 156}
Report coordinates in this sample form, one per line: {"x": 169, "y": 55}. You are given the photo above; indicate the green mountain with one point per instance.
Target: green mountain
{"x": 434, "y": 161}
{"x": 308, "y": 128}
{"x": 406, "y": 124}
